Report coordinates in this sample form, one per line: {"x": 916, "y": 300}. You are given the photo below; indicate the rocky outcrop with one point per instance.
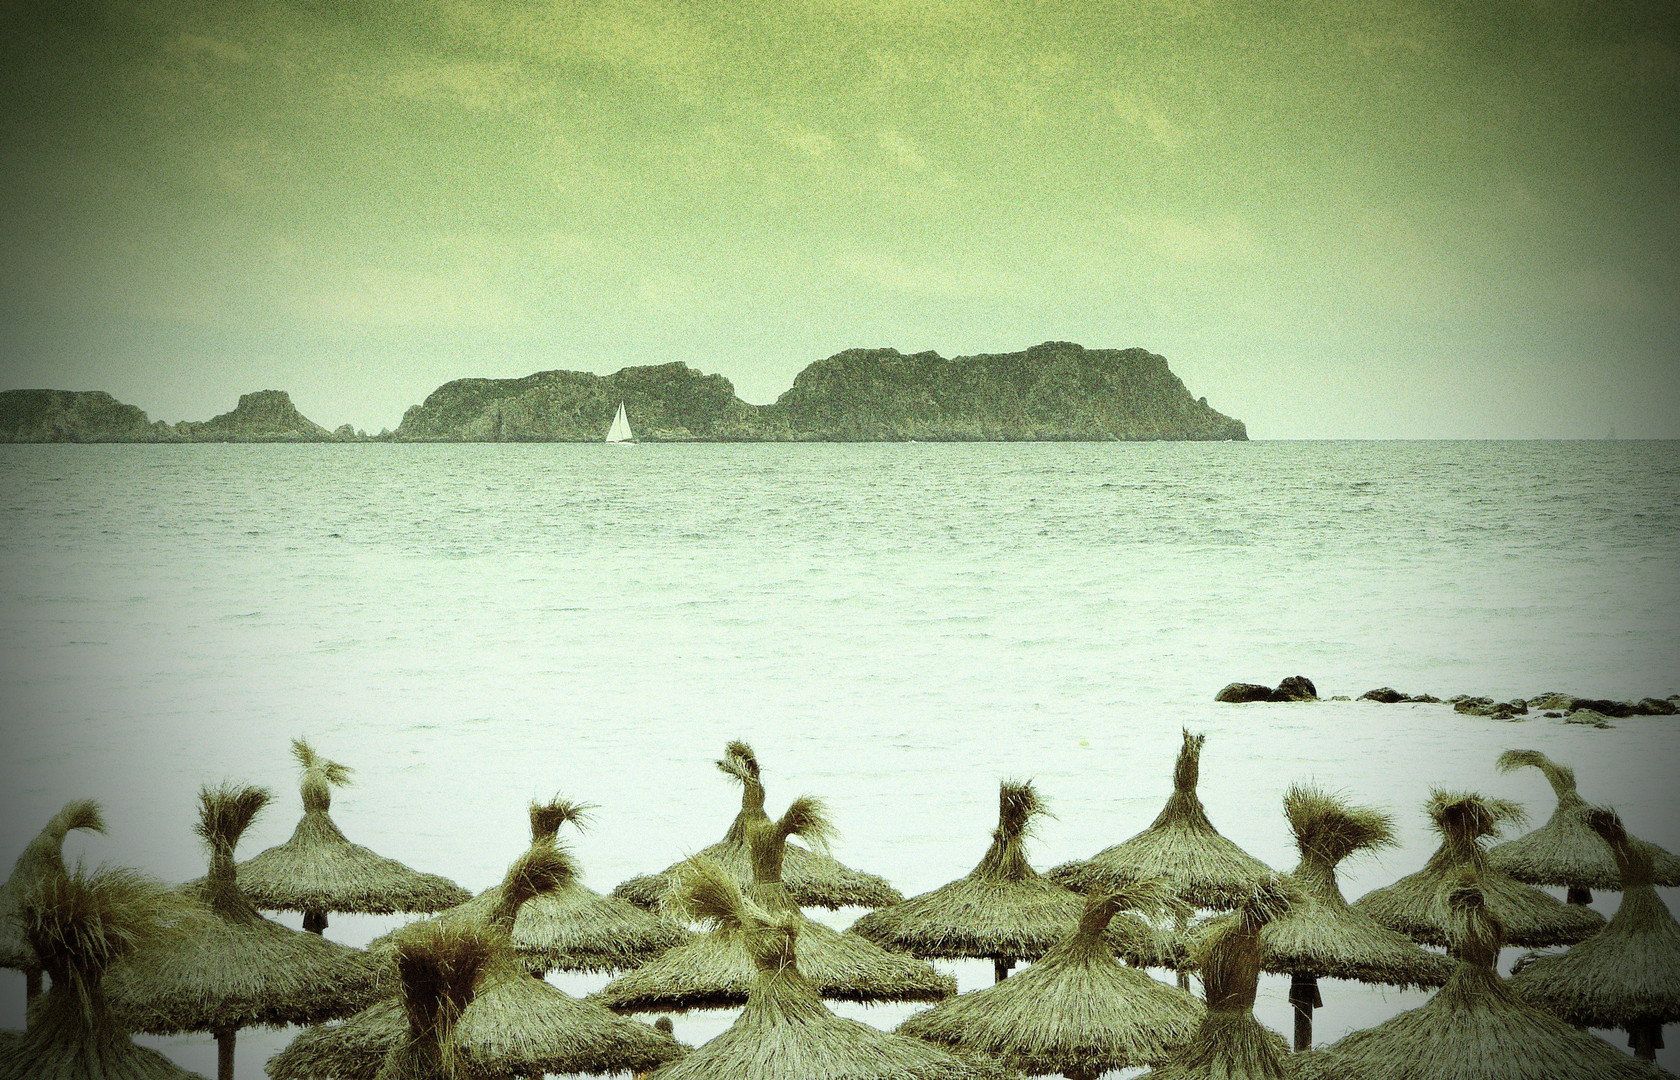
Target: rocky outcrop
{"x": 265, "y": 416}
{"x": 1294, "y": 688}
{"x": 1057, "y": 390}
{"x": 75, "y": 416}
{"x": 665, "y": 403}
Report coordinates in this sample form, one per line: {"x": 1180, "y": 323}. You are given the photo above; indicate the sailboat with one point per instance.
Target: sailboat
{"x": 620, "y": 431}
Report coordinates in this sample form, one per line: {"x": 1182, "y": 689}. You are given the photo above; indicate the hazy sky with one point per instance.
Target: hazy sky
{"x": 1374, "y": 219}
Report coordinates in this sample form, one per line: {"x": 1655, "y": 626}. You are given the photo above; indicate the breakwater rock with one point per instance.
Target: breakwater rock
{"x": 75, "y": 416}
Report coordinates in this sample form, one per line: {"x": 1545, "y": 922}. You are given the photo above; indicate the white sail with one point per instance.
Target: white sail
{"x": 620, "y": 431}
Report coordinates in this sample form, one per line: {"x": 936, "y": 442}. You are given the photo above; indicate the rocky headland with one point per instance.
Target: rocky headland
{"x": 1054, "y": 391}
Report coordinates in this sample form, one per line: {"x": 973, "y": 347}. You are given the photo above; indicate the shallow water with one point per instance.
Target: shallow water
{"x": 894, "y": 627}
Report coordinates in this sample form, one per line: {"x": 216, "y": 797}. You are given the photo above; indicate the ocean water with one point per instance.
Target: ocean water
{"x": 894, "y": 627}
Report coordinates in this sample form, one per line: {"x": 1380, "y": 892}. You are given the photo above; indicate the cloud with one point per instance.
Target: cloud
{"x": 901, "y": 149}
{"x": 1144, "y": 116}
{"x": 1219, "y": 239}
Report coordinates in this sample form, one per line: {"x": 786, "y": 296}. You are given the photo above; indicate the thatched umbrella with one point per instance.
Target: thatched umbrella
{"x": 43, "y": 858}
{"x": 570, "y": 927}
{"x": 508, "y": 1024}
{"x": 814, "y": 878}
{"x": 237, "y": 968}
{"x": 786, "y": 1032}
{"x": 318, "y": 870}
{"x": 1231, "y": 1044}
{"x": 1003, "y": 910}
{"x": 1474, "y": 1026}
{"x": 1628, "y": 974}
{"x": 1180, "y": 847}
{"x": 716, "y": 970}
{"x": 1078, "y": 1011}
{"x": 1531, "y": 917}
{"x": 77, "y": 924}
{"x": 1566, "y": 851}
{"x": 1321, "y": 936}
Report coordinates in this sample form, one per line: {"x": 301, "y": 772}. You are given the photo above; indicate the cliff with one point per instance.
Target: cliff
{"x": 40, "y": 416}
{"x": 1057, "y": 390}
{"x": 666, "y": 403}
{"x": 265, "y": 416}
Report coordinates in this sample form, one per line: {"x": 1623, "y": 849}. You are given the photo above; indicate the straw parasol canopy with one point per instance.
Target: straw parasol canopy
{"x": 1321, "y": 936}
{"x": 1180, "y": 847}
{"x": 77, "y": 924}
{"x": 1231, "y": 1044}
{"x": 570, "y": 927}
{"x": 1628, "y": 974}
{"x": 717, "y": 971}
{"x": 42, "y": 859}
{"x": 1003, "y": 910}
{"x": 1531, "y": 918}
{"x": 237, "y": 968}
{"x": 509, "y": 1024}
{"x": 318, "y": 870}
{"x": 786, "y": 1032}
{"x": 814, "y": 878}
{"x": 1078, "y": 1011}
{"x": 1474, "y": 1026}
{"x": 1566, "y": 851}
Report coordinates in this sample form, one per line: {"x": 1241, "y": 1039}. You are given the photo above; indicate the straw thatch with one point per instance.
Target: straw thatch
{"x": 77, "y": 924}
{"x": 1565, "y": 851}
{"x": 814, "y": 878}
{"x": 716, "y": 970}
{"x": 510, "y": 1024}
{"x": 319, "y": 871}
{"x": 436, "y": 970}
{"x": 238, "y": 969}
{"x": 1321, "y": 936}
{"x": 1531, "y": 917}
{"x": 43, "y": 858}
{"x": 1474, "y": 1026}
{"x": 1628, "y": 974}
{"x": 1180, "y": 846}
{"x": 570, "y": 927}
{"x": 1231, "y": 1044}
{"x": 1003, "y": 910}
{"x": 1078, "y": 1011}
{"x": 786, "y": 1032}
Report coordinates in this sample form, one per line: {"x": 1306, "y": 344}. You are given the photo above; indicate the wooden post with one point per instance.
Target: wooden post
{"x": 1578, "y": 896}
{"x": 224, "y": 1055}
{"x": 1000, "y": 969}
{"x": 1646, "y": 1039}
{"x": 1303, "y": 994}
{"x": 315, "y": 921}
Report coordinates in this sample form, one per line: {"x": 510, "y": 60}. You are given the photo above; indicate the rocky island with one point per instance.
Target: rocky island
{"x": 1054, "y": 391}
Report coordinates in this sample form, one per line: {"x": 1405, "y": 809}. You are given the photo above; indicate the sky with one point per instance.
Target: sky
{"x": 1378, "y": 220}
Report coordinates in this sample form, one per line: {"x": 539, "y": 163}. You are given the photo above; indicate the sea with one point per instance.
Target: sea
{"x": 895, "y": 628}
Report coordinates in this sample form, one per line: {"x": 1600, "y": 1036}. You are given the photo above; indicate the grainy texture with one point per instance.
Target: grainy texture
{"x": 1180, "y": 846}
{"x": 1531, "y": 917}
{"x": 813, "y": 877}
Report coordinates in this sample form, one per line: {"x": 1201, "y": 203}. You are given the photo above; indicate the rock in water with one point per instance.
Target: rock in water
{"x": 1295, "y": 688}
{"x": 1244, "y": 691}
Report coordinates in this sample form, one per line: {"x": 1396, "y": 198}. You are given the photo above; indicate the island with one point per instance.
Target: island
{"x": 1054, "y": 391}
